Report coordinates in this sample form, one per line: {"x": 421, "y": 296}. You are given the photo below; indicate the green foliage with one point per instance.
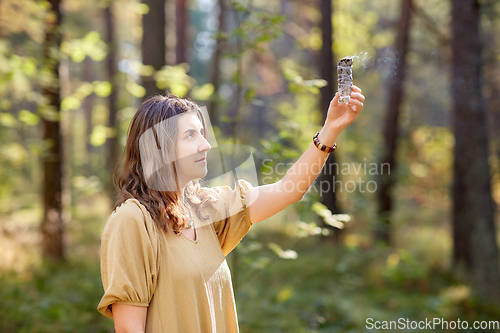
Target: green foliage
{"x": 298, "y": 84}
{"x": 90, "y": 45}
{"x": 28, "y": 117}
{"x": 175, "y": 78}
{"x": 257, "y": 28}
{"x": 359, "y": 30}
{"x": 335, "y": 220}
{"x": 402, "y": 267}
{"x": 203, "y": 93}
{"x": 286, "y": 282}
{"x": 298, "y": 117}
{"x": 135, "y": 89}
{"x": 53, "y": 299}
{"x": 289, "y": 281}
{"x": 330, "y": 288}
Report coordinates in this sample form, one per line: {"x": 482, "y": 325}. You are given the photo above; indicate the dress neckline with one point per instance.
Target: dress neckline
{"x": 195, "y": 234}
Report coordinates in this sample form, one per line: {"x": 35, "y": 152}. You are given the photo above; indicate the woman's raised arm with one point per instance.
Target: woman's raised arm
{"x": 267, "y": 200}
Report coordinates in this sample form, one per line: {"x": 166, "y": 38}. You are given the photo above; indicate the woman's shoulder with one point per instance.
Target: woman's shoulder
{"x": 130, "y": 213}
{"x": 229, "y": 198}
{"x": 220, "y": 190}
{"x": 130, "y": 207}
{"x": 230, "y": 194}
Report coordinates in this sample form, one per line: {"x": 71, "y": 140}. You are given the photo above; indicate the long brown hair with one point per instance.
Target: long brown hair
{"x": 147, "y": 181}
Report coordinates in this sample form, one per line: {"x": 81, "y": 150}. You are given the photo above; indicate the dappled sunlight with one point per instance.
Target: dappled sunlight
{"x": 20, "y": 241}
{"x": 377, "y": 235}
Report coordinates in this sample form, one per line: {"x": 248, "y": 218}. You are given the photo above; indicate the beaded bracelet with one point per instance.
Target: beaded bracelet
{"x": 321, "y": 146}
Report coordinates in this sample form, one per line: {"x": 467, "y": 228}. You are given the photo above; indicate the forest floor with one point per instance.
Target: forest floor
{"x": 283, "y": 282}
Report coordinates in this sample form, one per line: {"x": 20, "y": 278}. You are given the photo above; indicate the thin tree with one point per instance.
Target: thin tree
{"x": 112, "y": 142}
{"x": 391, "y": 131}
{"x": 87, "y": 103}
{"x": 153, "y": 42}
{"x": 215, "y": 77}
{"x": 328, "y": 72}
{"x": 475, "y": 246}
{"x": 52, "y": 224}
{"x": 0, "y": 17}
{"x": 181, "y": 29}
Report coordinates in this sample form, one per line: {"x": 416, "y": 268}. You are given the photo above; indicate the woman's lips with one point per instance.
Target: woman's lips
{"x": 202, "y": 160}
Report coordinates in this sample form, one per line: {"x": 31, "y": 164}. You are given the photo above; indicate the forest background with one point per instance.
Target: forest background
{"x": 418, "y": 242}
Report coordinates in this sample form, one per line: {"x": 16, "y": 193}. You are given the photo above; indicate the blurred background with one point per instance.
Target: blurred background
{"x": 403, "y": 223}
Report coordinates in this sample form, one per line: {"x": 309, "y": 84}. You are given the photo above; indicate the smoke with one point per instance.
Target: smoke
{"x": 385, "y": 62}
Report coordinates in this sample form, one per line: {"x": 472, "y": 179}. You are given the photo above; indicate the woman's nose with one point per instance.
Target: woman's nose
{"x": 205, "y": 146}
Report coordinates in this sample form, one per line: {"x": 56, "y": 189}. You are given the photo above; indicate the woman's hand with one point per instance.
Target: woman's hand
{"x": 340, "y": 116}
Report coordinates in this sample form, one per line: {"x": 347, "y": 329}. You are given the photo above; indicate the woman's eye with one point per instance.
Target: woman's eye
{"x": 189, "y": 135}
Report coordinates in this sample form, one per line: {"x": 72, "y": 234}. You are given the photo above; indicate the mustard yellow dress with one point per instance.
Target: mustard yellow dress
{"x": 185, "y": 284}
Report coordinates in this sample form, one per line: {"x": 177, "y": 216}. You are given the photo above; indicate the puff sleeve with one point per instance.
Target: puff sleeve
{"x": 129, "y": 258}
{"x": 231, "y": 229}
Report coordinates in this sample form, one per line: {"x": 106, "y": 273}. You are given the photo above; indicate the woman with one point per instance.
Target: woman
{"x": 163, "y": 248}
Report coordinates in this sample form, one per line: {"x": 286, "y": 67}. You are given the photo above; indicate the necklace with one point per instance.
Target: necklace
{"x": 190, "y": 218}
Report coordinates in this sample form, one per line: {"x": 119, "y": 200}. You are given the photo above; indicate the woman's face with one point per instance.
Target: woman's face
{"x": 191, "y": 147}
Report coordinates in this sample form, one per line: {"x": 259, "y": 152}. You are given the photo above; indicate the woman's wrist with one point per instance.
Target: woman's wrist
{"x": 328, "y": 136}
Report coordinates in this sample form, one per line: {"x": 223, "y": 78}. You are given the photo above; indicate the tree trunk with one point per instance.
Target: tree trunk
{"x": 112, "y": 141}
{"x": 391, "y": 132}
{"x": 88, "y": 76}
{"x": 215, "y": 79}
{"x": 0, "y": 17}
{"x": 52, "y": 223}
{"x": 474, "y": 233}
{"x": 153, "y": 43}
{"x": 182, "y": 25}
{"x": 327, "y": 191}
{"x": 170, "y": 31}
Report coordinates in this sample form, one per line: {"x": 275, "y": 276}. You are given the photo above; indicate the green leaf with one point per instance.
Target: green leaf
{"x": 14, "y": 153}
{"x": 237, "y": 78}
{"x": 98, "y": 136}
{"x": 102, "y": 88}
{"x": 249, "y": 95}
{"x": 143, "y": 9}
{"x": 29, "y": 67}
{"x": 49, "y": 113}
{"x": 135, "y": 89}
{"x": 288, "y": 254}
{"x": 178, "y": 89}
{"x": 84, "y": 90}
{"x": 239, "y": 32}
{"x": 285, "y": 294}
{"x": 335, "y": 220}
{"x": 78, "y": 55}
{"x": 28, "y": 117}
{"x": 70, "y": 103}
{"x": 316, "y": 83}
{"x": 8, "y": 120}
{"x": 203, "y": 93}
{"x": 277, "y": 19}
{"x": 147, "y": 70}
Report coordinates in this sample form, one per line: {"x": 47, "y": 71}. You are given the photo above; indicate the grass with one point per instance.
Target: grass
{"x": 335, "y": 289}
{"x": 60, "y": 298}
